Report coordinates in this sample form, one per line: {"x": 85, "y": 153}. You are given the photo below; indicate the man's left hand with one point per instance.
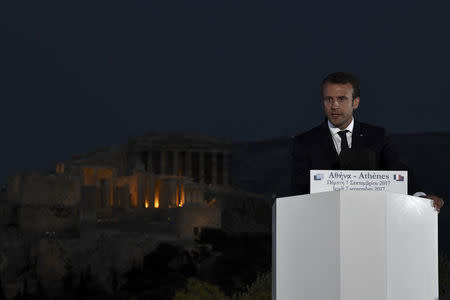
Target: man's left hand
{"x": 437, "y": 201}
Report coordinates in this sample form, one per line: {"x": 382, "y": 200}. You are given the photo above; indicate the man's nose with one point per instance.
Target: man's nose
{"x": 334, "y": 103}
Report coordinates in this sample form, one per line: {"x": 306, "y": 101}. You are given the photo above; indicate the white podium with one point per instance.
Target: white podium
{"x": 354, "y": 246}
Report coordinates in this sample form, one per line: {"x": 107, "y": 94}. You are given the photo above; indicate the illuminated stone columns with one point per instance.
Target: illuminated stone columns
{"x": 140, "y": 190}
{"x": 163, "y": 162}
{"x": 175, "y": 163}
{"x": 105, "y": 194}
{"x": 112, "y": 190}
{"x": 146, "y": 189}
{"x": 188, "y": 159}
{"x": 172, "y": 192}
{"x": 150, "y": 166}
{"x": 151, "y": 192}
{"x": 201, "y": 167}
{"x": 214, "y": 167}
{"x": 226, "y": 173}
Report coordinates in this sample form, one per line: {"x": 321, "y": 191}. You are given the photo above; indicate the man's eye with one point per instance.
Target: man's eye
{"x": 341, "y": 99}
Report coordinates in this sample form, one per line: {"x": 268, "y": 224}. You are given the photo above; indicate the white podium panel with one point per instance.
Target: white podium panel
{"x": 353, "y": 246}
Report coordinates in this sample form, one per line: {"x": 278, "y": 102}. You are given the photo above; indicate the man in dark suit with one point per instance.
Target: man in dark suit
{"x": 343, "y": 143}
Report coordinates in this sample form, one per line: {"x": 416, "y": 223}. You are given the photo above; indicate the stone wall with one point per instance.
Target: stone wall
{"x": 53, "y": 220}
{"x": 49, "y": 190}
{"x": 48, "y": 205}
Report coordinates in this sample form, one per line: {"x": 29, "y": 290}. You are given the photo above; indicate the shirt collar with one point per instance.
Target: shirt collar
{"x": 334, "y": 130}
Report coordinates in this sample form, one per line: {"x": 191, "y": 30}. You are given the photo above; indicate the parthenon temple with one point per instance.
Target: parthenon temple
{"x": 152, "y": 171}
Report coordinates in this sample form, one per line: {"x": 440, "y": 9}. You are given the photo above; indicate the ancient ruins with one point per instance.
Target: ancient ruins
{"x": 109, "y": 207}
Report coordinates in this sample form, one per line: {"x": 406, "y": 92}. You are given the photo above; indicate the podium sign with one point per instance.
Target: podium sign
{"x": 374, "y": 181}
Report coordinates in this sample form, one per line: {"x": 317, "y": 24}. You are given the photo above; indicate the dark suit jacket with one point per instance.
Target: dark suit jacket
{"x": 314, "y": 149}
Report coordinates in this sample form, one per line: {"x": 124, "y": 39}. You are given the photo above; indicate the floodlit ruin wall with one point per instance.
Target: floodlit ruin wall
{"x": 48, "y": 204}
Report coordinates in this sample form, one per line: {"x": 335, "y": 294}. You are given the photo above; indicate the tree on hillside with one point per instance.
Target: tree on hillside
{"x": 199, "y": 290}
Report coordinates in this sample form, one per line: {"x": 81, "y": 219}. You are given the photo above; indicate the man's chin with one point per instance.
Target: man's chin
{"x": 335, "y": 124}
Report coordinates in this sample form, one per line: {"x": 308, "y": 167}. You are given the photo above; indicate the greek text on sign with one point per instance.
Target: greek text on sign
{"x": 341, "y": 180}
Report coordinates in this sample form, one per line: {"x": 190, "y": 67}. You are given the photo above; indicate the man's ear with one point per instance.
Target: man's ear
{"x": 355, "y": 103}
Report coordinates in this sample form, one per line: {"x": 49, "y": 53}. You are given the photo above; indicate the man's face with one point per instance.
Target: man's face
{"x": 338, "y": 103}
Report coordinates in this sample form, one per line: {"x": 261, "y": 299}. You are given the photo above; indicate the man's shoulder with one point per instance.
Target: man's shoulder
{"x": 369, "y": 129}
{"x": 313, "y": 133}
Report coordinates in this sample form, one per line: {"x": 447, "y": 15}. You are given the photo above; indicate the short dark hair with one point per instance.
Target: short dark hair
{"x": 342, "y": 78}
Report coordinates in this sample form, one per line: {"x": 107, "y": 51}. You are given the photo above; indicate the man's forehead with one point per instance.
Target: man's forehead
{"x": 337, "y": 89}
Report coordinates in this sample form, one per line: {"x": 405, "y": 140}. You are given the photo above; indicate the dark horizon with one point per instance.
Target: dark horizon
{"x": 47, "y": 165}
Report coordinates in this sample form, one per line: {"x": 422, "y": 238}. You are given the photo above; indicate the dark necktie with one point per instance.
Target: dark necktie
{"x": 344, "y": 143}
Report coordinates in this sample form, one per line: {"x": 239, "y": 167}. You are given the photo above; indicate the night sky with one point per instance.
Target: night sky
{"x": 77, "y": 76}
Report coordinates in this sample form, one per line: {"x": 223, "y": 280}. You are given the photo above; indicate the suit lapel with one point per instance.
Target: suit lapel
{"x": 327, "y": 144}
{"x": 357, "y": 136}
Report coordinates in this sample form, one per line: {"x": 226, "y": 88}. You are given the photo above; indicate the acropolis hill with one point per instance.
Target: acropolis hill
{"x": 107, "y": 208}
